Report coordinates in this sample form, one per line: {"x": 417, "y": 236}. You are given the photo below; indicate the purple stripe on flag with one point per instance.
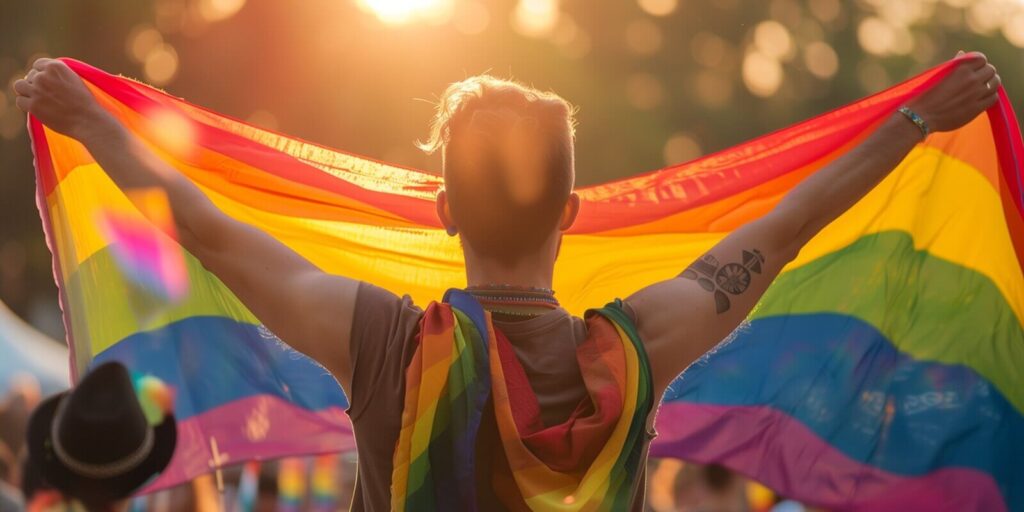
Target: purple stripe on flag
{"x": 253, "y": 428}
{"x": 784, "y": 454}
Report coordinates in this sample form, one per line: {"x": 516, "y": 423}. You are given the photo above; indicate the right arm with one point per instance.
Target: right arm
{"x": 306, "y": 307}
{"x": 682, "y": 318}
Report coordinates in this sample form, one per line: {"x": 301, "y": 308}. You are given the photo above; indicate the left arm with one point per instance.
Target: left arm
{"x": 682, "y": 318}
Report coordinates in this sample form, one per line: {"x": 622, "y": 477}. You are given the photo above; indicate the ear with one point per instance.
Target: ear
{"x": 444, "y": 213}
{"x": 572, "y": 209}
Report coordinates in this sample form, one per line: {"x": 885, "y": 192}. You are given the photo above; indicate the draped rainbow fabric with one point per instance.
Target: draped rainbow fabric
{"x": 591, "y": 461}
{"x": 882, "y": 370}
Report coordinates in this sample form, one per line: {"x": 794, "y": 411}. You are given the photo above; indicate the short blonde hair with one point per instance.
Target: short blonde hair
{"x": 477, "y": 115}
{"x": 486, "y": 91}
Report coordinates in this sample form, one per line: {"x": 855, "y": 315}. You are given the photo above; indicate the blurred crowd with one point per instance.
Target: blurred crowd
{"x": 22, "y": 397}
{"x": 324, "y": 483}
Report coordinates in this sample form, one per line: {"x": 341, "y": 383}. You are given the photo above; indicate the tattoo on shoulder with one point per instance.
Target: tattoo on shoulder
{"x": 720, "y": 280}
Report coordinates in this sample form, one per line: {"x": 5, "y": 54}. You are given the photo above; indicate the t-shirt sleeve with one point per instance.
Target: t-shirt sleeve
{"x": 383, "y": 330}
{"x": 627, "y": 308}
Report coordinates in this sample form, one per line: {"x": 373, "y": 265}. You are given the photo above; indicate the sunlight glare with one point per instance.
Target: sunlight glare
{"x": 399, "y": 12}
{"x": 535, "y": 18}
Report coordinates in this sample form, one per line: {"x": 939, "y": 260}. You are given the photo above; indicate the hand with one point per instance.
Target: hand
{"x": 55, "y": 95}
{"x": 964, "y": 93}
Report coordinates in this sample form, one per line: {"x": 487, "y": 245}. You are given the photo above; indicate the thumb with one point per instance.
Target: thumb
{"x": 959, "y": 53}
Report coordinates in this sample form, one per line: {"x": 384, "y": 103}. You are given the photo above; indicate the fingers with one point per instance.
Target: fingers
{"x": 973, "y": 60}
{"x": 23, "y": 88}
{"x": 990, "y": 94}
{"x": 30, "y": 77}
{"x": 986, "y": 73}
{"x": 994, "y": 83}
{"x": 988, "y": 101}
{"x": 40, "y": 64}
{"x": 990, "y": 82}
{"x": 24, "y": 103}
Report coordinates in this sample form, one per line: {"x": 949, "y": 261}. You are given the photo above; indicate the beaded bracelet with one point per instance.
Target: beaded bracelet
{"x": 916, "y": 119}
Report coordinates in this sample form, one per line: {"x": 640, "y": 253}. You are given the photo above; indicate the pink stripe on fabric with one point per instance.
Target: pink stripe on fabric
{"x": 44, "y": 177}
{"x": 253, "y": 428}
{"x": 784, "y": 454}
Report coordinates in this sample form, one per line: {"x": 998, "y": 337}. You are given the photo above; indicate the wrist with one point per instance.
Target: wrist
{"x": 916, "y": 120}
{"x": 901, "y": 129}
{"x": 96, "y": 126}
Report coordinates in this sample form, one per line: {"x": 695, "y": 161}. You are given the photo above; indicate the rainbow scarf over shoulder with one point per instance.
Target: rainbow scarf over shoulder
{"x": 589, "y": 462}
{"x": 881, "y": 371}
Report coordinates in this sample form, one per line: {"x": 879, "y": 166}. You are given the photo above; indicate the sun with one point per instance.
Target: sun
{"x": 398, "y": 12}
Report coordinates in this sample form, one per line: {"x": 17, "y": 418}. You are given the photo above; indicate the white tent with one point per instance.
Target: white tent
{"x": 24, "y": 350}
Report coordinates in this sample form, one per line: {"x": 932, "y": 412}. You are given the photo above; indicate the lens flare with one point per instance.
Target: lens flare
{"x": 172, "y": 131}
{"x": 145, "y": 246}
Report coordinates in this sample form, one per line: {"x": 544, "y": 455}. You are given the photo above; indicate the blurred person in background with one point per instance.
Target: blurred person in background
{"x": 10, "y": 498}
{"x": 94, "y": 446}
{"x": 22, "y": 397}
{"x": 722, "y": 490}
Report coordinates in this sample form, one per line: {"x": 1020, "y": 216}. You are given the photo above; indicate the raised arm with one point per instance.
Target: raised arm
{"x": 682, "y": 318}
{"x": 307, "y": 308}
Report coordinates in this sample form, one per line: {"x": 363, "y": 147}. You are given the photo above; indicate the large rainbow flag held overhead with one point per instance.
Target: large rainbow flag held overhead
{"x": 883, "y": 369}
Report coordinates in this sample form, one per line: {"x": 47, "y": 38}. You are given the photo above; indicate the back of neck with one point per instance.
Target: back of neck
{"x": 535, "y": 271}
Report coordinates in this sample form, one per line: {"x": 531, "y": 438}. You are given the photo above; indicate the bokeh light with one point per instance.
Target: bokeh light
{"x": 658, "y": 7}
{"x": 141, "y": 40}
{"x": 821, "y": 60}
{"x": 216, "y": 10}
{"x": 160, "y": 64}
{"x": 643, "y": 37}
{"x": 826, "y": 11}
{"x": 762, "y": 74}
{"x": 902, "y": 13}
{"x": 986, "y": 16}
{"x": 709, "y": 49}
{"x": 397, "y": 12}
{"x": 681, "y": 147}
{"x": 535, "y": 18}
{"x": 879, "y": 37}
{"x": 773, "y": 40}
{"x": 1013, "y": 29}
{"x": 172, "y": 131}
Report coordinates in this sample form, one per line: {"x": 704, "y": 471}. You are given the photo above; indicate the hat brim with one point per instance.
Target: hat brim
{"x": 94, "y": 490}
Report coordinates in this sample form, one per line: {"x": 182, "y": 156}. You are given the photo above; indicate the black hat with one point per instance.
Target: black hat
{"x": 94, "y": 443}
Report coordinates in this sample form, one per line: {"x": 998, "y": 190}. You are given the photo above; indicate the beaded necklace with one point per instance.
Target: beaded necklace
{"x": 514, "y": 302}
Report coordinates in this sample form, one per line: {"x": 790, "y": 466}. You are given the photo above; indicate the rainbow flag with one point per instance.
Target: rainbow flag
{"x": 589, "y": 462}
{"x": 882, "y": 370}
